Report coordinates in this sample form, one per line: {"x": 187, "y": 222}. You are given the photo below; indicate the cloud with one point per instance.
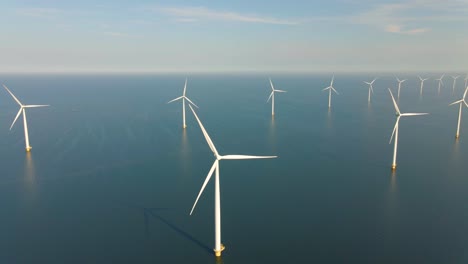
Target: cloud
{"x": 392, "y": 28}
{"x": 116, "y": 34}
{"x": 190, "y": 14}
{"x": 39, "y": 12}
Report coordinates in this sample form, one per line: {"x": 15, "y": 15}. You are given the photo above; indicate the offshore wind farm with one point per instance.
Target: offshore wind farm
{"x": 119, "y": 177}
{"x": 233, "y": 132}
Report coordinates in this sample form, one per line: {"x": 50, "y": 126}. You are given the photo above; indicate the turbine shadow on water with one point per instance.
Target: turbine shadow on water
{"x": 147, "y": 212}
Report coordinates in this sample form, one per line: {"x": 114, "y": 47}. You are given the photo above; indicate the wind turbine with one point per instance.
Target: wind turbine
{"x": 272, "y": 97}
{"x": 23, "y": 111}
{"x": 330, "y": 88}
{"x": 460, "y": 111}
{"x": 218, "y": 246}
{"x": 183, "y": 97}
{"x": 395, "y": 129}
{"x": 440, "y": 81}
{"x": 422, "y": 84}
{"x": 399, "y": 85}
{"x": 370, "y": 88}
{"x": 466, "y": 80}
{"x": 454, "y": 82}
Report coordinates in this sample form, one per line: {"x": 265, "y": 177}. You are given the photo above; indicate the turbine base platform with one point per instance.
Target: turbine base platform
{"x": 184, "y": 126}
{"x": 457, "y": 136}
{"x": 218, "y": 252}
{"x": 393, "y": 166}
{"x": 28, "y": 149}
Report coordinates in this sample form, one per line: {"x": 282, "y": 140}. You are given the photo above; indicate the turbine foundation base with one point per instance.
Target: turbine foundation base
{"x": 218, "y": 252}
{"x": 28, "y": 149}
{"x": 393, "y": 166}
{"x": 457, "y": 136}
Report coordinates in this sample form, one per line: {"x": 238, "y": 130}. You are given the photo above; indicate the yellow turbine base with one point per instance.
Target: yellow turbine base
{"x": 457, "y": 136}
{"x": 393, "y": 166}
{"x": 218, "y": 252}
{"x": 28, "y": 149}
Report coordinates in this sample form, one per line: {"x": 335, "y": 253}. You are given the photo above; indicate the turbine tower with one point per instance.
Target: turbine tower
{"x": 219, "y": 247}
{"x": 330, "y": 88}
{"x": 440, "y": 81}
{"x": 22, "y": 110}
{"x": 395, "y": 129}
{"x": 454, "y": 82}
{"x": 461, "y": 102}
{"x": 399, "y": 85}
{"x": 272, "y": 97}
{"x": 371, "y": 88}
{"x": 183, "y": 97}
{"x": 422, "y": 84}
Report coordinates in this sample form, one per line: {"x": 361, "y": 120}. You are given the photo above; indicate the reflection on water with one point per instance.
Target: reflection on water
{"x": 29, "y": 178}
{"x": 391, "y": 212}
{"x": 185, "y": 153}
{"x": 219, "y": 260}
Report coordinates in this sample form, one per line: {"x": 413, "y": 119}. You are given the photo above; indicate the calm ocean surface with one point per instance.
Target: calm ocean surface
{"x": 112, "y": 175}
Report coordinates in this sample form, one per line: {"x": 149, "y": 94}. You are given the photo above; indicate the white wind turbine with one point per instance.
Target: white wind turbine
{"x": 395, "y": 129}
{"x": 183, "y": 97}
{"x": 399, "y": 85}
{"x": 218, "y": 246}
{"x": 272, "y": 97}
{"x": 422, "y": 84}
{"x": 330, "y": 88}
{"x": 371, "y": 88}
{"x": 454, "y": 82}
{"x": 461, "y": 102}
{"x": 440, "y": 81}
{"x": 466, "y": 80}
{"x": 23, "y": 111}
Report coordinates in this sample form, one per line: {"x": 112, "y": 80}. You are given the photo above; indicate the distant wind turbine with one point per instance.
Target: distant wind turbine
{"x": 370, "y": 88}
{"x": 399, "y": 85}
{"x": 183, "y": 97}
{"x": 395, "y": 129}
{"x": 23, "y": 111}
{"x": 272, "y": 97}
{"x": 422, "y": 84}
{"x": 218, "y": 246}
{"x": 466, "y": 80}
{"x": 330, "y": 88}
{"x": 440, "y": 81}
{"x": 454, "y": 82}
{"x": 461, "y": 102}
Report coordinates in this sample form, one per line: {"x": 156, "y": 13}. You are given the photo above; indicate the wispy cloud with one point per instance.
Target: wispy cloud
{"x": 116, "y": 34}
{"x": 414, "y": 16}
{"x": 39, "y": 12}
{"x": 191, "y": 14}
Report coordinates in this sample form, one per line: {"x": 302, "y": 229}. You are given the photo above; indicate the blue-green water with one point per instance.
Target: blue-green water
{"x": 112, "y": 175}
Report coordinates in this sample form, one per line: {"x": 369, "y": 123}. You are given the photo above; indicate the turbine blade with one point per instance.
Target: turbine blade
{"x": 394, "y": 129}
{"x": 334, "y": 90}
{"x": 31, "y": 106}
{"x": 207, "y": 137}
{"x": 17, "y": 115}
{"x": 326, "y": 88}
{"x": 465, "y": 103}
{"x": 280, "y": 91}
{"x": 14, "y": 97}
{"x": 180, "y": 97}
{"x": 414, "y": 114}
{"x": 457, "y": 102}
{"x": 191, "y": 101}
{"x": 271, "y": 84}
{"x": 333, "y": 79}
{"x": 207, "y": 179}
{"x": 394, "y": 102}
{"x": 367, "y": 83}
{"x": 372, "y": 89}
{"x": 374, "y": 80}
{"x": 185, "y": 87}
{"x": 420, "y": 78}
{"x": 270, "y": 96}
{"x": 238, "y": 157}
{"x": 464, "y": 95}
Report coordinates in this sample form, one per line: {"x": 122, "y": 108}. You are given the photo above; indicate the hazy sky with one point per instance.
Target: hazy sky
{"x": 241, "y": 35}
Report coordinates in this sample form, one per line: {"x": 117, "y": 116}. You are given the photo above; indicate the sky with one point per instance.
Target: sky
{"x": 241, "y": 35}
